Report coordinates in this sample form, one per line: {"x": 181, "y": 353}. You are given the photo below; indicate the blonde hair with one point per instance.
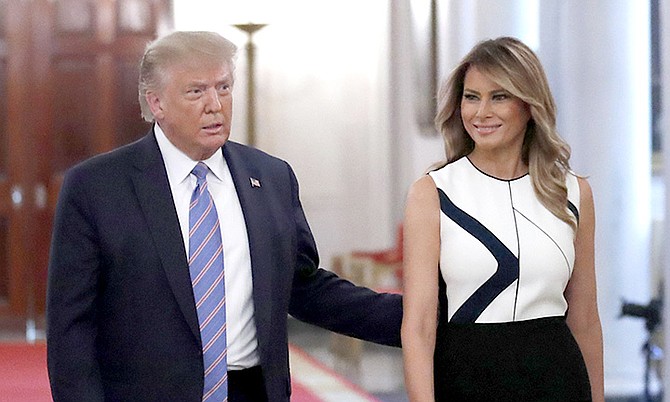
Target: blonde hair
{"x": 176, "y": 48}
{"x": 516, "y": 68}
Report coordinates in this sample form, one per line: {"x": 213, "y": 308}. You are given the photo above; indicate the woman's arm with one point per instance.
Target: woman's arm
{"x": 421, "y": 252}
{"x": 583, "y": 318}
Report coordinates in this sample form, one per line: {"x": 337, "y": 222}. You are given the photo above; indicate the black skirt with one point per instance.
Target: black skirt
{"x": 534, "y": 360}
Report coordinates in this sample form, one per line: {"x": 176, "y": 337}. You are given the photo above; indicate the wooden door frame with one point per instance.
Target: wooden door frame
{"x": 15, "y": 194}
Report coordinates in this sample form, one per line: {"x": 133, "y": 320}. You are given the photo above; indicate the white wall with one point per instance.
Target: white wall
{"x": 327, "y": 113}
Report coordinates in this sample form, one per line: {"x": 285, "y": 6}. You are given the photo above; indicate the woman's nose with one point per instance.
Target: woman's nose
{"x": 484, "y": 109}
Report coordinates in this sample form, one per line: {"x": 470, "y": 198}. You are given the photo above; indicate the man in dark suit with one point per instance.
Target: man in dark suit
{"x": 124, "y": 318}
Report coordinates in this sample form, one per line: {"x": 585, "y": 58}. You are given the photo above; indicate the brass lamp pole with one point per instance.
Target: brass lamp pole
{"x": 250, "y": 29}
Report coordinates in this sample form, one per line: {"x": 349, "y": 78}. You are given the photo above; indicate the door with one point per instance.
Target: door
{"x": 75, "y": 77}
{"x": 14, "y": 211}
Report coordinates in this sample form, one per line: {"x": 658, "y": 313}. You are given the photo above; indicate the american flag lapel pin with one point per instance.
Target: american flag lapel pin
{"x": 255, "y": 182}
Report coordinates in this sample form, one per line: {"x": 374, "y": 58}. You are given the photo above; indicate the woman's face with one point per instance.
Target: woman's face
{"x": 494, "y": 119}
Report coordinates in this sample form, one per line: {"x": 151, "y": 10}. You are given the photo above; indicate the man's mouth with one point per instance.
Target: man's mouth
{"x": 213, "y": 127}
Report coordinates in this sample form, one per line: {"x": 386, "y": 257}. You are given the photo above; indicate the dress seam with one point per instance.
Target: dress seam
{"x": 518, "y": 250}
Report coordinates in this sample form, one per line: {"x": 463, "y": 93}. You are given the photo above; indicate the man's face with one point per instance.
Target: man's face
{"x": 194, "y": 106}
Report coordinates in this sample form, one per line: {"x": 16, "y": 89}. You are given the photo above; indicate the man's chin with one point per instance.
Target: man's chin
{"x": 211, "y": 145}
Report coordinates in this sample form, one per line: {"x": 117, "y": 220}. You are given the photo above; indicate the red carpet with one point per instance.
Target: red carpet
{"x": 300, "y": 393}
{"x": 309, "y": 374}
{"x": 23, "y": 370}
{"x": 23, "y": 377}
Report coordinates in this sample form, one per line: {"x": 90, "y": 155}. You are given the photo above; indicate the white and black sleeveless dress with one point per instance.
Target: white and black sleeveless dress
{"x": 505, "y": 261}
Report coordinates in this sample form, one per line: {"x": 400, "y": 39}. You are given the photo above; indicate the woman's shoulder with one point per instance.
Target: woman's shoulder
{"x": 576, "y": 183}
{"x": 579, "y": 189}
{"x": 422, "y": 196}
{"x": 422, "y": 186}
{"x": 446, "y": 168}
{"x": 455, "y": 176}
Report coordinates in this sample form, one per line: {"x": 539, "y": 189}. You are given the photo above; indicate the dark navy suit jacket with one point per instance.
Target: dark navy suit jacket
{"x": 121, "y": 317}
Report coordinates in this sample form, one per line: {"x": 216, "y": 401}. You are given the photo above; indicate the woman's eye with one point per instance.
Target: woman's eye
{"x": 469, "y": 97}
{"x": 500, "y": 97}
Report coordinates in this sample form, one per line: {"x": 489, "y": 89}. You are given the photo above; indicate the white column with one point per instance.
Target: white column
{"x": 665, "y": 123}
{"x": 468, "y": 22}
{"x": 597, "y": 57}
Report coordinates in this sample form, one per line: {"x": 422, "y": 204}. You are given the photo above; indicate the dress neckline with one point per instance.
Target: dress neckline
{"x": 495, "y": 177}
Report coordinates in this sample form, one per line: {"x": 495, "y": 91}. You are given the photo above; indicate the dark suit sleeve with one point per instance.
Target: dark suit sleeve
{"x": 321, "y": 298}
{"x": 73, "y": 280}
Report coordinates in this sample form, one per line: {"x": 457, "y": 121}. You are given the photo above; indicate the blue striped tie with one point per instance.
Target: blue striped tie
{"x": 207, "y": 277}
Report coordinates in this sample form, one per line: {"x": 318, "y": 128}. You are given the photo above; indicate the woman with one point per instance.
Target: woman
{"x": 499, "y": 277}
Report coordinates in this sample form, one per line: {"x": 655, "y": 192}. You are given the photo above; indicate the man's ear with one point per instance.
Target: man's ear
{"x": 154, "y": 103}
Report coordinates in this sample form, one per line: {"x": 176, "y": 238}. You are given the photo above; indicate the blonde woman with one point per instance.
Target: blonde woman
{"x": 499, "y": 278}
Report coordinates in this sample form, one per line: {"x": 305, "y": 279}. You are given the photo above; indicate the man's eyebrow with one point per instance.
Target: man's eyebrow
{"x": 196, "y": 83}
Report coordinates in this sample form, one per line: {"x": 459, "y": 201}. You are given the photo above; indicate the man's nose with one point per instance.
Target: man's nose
{"x": 213, "y": 104}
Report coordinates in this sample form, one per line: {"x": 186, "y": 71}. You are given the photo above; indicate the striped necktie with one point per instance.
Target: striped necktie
{"x": 207, "y": 277}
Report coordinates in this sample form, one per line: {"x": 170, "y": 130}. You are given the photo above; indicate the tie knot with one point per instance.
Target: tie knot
{"x": 200, "y": 171}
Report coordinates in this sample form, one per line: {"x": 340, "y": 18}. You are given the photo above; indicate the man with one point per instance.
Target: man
{"x": 156, "y": 241}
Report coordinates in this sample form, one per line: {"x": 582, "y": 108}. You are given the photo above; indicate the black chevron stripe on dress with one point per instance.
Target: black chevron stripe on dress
{"x": 505, "y": 275}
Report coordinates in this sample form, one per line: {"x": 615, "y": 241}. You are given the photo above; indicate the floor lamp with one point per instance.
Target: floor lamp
{"x": 250, "y": 29}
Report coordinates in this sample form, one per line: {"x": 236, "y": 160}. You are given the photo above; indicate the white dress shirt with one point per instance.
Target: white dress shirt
{"x": 241, "y": 332}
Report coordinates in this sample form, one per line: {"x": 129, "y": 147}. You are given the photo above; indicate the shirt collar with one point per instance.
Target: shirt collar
{"x": 179, "y": 165}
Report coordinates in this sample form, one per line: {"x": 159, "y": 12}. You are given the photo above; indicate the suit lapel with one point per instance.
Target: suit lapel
{"x": 248, "y": 180}
{"x": 155, "y": 198}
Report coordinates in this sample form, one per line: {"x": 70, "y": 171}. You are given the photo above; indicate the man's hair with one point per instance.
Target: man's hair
{"x": 174, "y": 49}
